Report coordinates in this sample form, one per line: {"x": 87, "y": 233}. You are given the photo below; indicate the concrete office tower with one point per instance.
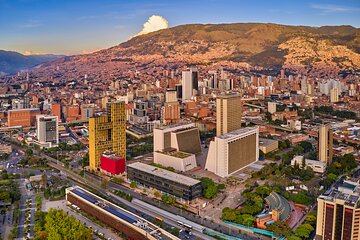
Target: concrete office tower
{"x": 271, "y": 107}
{"x": 228, "y": 113}
{"x": 189, "y": 83}
{"x": 171, "y": 109}
{"x": 176, "y": 145}
{"x": 56, "y": 110}
{"x": 338, "y": 213}
{"x": 233, "y": 151}
{"x": 170, "y": 96}
{"x": 213, "y": 79}
{"x": 304, "y": 86}
{"x": 107, "y": 133}
{"x": 334, "y": 95}
{"x": 47, "y": 130}
{"x": 325, "y": 144}
{"x": 183, "y": 137}
{"x": 87, "y": 111}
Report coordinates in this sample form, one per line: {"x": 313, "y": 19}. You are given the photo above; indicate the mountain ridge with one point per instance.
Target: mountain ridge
{"x": 12, "y": 62}
{"x": 257, "y": 44}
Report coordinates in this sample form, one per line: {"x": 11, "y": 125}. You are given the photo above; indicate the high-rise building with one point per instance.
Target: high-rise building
{"x": 56, "y": 110}
{"x": 107, "y": 133}
{"x": 47, "y": 130}
{"x": 233, "y": 151}
{"x": 325, "y": 144}
{"x": 228, "y": 113}
{"x": 87, "y": 111}
{"x": 22, "y": 117}
{"x": 213, "y": 80}
{"x": 272, "y": 107}
{"x": 171, "y": 112}
{"x": 189, "y": 83}
{"x": 334, "y": 95}
{"x": 171, "y": 108}
{"x": 304, "y": 86}
{"x": 72, "y": 113}
{"x": 338, "y": 213}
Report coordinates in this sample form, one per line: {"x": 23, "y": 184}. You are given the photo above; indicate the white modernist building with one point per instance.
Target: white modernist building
{"x": 176, "y": 145}
{"x": 180, "y": 161}
{"x": 47, "y": 130}
{"x": 316, "y": 166}
{"x": 233, "y": 151}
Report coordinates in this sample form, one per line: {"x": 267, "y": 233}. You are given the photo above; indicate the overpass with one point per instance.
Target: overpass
{"x": 254, "y": 106}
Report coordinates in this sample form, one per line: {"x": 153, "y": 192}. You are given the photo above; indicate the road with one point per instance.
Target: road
{"x": 208, "y": 223}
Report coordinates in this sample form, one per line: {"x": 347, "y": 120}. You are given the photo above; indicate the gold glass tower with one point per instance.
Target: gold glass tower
{"x": 107, "y": 133}
{"x": 228, "y": 113}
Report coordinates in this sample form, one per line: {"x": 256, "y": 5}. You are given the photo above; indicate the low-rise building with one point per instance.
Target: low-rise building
{"x": 316, "y": 166}
{"x": 268, "y": 145}
{"x": 130, "y": 225}
{"x": 180, "y": 161}
{"x": 182, "y": 187}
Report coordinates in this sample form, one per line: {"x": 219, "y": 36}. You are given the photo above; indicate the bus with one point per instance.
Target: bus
{"x": 180, "y": 223}
{"x": 188, "y": 226}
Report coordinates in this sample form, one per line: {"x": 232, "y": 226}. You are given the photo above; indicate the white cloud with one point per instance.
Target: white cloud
{"x": 154, "y": 23}
{"x": 28, "y": 52}
{"x": 330, "y": 8}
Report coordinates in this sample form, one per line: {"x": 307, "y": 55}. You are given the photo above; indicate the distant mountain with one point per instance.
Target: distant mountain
{"x": 12, "y": 62}
{"x": 258, "y": 44}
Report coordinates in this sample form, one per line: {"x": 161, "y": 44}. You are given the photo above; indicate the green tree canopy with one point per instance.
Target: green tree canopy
{"x": 58, "y": 225}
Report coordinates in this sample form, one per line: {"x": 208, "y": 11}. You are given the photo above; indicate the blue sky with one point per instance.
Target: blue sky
{"x": 79, "y": 26}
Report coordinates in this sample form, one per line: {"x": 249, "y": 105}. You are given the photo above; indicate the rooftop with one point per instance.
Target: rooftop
{"x": 228, "y": 95}
{"x": 238, "y": 132}
{"x": 22, "y": 109}
{"x": 348, "y": 191}
{"x": 120, "y": 213}
{"x": 279, "y": 203}
{"x": 162, "y": 173}
{"x": 175, "y": 153}
{"x": 175, "y": 125}
{"x": 266, "y": 141}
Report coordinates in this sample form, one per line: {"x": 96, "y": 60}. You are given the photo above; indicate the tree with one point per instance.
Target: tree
{"x": 210, "y": 189}
{"x": 58, "y": 225}
{"x": 285, "y": 158}
{"x": 133, "y": 184}
{"x": 28, "y": 152}
{"x": 304, "y": 230}
{"x": 311, "y": 218}
{"x": 4, "y": 175}
{"x": 280, "y": 228}
{"x": 293, "y": 238}
{"x": 307, "y": 146}
{"x": 261, "y": 154}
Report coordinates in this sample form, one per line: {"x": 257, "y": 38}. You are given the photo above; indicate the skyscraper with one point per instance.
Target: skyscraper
{"x": 338, "y": 212}
{"x": 47, "y": 130}
{"x": 189, "y": 83}
{"x": 56, "y": 110}
{"x": 233, "y": 151}
{"x": 334, "y": 95}
{"x": 107, "y": 133}
{"x": 325, "y": 144}
{"x": 228, "y": 113}
{"x": 171, "y": 108}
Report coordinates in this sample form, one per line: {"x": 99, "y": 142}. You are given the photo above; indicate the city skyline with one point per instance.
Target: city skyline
{"x": 73, "y": 27}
